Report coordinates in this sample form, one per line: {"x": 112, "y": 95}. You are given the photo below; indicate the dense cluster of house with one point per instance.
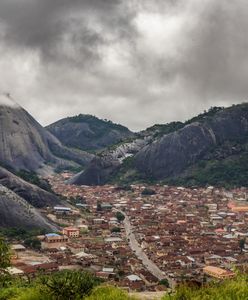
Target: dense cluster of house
{"x": 190, "y": 234}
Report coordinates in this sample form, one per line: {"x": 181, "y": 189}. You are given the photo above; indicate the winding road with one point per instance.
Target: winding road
{"x": 136, "y": 248}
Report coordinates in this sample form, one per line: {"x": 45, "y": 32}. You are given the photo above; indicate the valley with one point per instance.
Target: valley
{"x": 149, "y": 238}
{"x": 145, "y": 212}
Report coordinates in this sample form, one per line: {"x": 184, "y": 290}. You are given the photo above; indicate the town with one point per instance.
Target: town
{"x": 140, "y": 237}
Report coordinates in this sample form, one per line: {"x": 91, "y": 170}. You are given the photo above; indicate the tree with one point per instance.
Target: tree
{"x": 148, "y": 192}
{"x": 4, "y": 254}
{"x": 164, "y": 282}
{"x": 120, "y": 217}
{"x": 242, "y": 244}
{"x": 109, "y": 293}
{"x": 99, "y": 206}
{"x": 33, "y": 243}
{"x": 116, "y": 229}
{"x": 69, "y": 285}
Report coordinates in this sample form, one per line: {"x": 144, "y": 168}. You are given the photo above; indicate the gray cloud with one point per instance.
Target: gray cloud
{"x": 137, "y": 62}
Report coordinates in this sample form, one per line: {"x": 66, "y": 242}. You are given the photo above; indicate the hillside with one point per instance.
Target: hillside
{"x": 208, "y": 149}
{"x": 26, "y": 149}
{"x": 33, "y": 194}
{"x": 88, "y": 132}
{"x": 235, "y": 289}
{"x": 17, "y": 212}
{"x": 26, "y": 145}
{"x": 173, "y": 154}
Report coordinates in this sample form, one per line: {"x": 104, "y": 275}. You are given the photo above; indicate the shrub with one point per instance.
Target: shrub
{"x": 109, "y": 293}
{"x": 69, "y": 285}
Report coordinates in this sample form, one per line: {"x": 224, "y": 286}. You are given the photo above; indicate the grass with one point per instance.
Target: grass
{"x": 235, "y": 289}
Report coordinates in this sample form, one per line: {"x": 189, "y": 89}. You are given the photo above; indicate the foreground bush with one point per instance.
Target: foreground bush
{"x": 236, "y": 289}
{"x": 66, "y": 285}
{"x": 69, "y": 285}
{"x": 83, "y": 286}
{"x": 109, "y": 293}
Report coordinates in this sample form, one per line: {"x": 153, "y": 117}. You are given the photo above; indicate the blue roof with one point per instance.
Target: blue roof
{"x": 52, "y": 234}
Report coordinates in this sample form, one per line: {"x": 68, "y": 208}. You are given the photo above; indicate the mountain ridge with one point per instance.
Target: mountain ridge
{"x": 88, "y": 133}
{"x": 171, "y": 150}
{"x": 25, "y": 144}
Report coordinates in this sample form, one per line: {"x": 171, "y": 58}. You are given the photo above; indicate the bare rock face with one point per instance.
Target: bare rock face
{"x": 25, "y": 144}
{"x": 17, "y": 212}
{"x": 31, "y": 193}
{"x": 101, "y": 168}
{"x": 173, "y": 153}
{"x": 163, "y": 156}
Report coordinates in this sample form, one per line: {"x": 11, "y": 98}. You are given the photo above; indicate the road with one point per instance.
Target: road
{"x": 136, "y": 248}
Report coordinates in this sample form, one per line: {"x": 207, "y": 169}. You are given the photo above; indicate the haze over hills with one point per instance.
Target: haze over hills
{"x": 211, "y": 142}
{"x": 88, "y": 132}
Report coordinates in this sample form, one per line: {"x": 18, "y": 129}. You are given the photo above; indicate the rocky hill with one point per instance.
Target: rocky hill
{"x": 31, "y": 193}
{"x": 88, "y": 132}
{"x": 106, "y": 164}
{"x": 25, "y": 144}
{"x": 17, "y": 212}
{"x": 174, "y": 152}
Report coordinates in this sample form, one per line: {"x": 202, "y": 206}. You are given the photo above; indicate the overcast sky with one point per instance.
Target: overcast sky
{"x": 136, "y": 62}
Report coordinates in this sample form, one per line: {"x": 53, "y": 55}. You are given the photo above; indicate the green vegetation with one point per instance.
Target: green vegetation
{"x": 230, "y": 172}
{"x": 33, "y": 243}
{"x": 116, "y": 229}
{"x": 4, "y": 254}
{"x": 225, "y": 165}
{"x": 93, "y": 134}
{"x": 30, "y": 177}
{"x": 124, "y": 187}
{"x": 165, "y": 282}
{"x": 15, "y": 233}
{"x": 127, "y": 174}
{"x": 19, "y": 290}
{"x": 242, "y": 244}
{"x": 120, "y": 217}
{"x": 109, "y": 293}
{"x": 206, "y": 115}
{"x": 236, "y": 289}
{"x": 162, "y": 129}
{"x": 70, "y": 285}
{"x": 96, "y": 123}
{"x": 33, "y": 178}
{"x": 65, "y": 285}
{"x": 148, "y": 192}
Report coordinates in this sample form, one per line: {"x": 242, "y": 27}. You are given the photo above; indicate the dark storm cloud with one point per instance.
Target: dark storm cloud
{"x": 51, "y": 27}
{"x": 136, "y": 62}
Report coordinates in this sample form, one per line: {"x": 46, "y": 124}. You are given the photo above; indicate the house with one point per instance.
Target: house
{"x": 106, "y": 206}
{"x": 54, "y": 240}
{"x": 61, "y": 210}
{"x": 217, "y": 272}
{"x": 15, "y": 271}
{"x": 18, "y": 248}
{"x": 71, "y": 232}
{"x": 134, "y": 282}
